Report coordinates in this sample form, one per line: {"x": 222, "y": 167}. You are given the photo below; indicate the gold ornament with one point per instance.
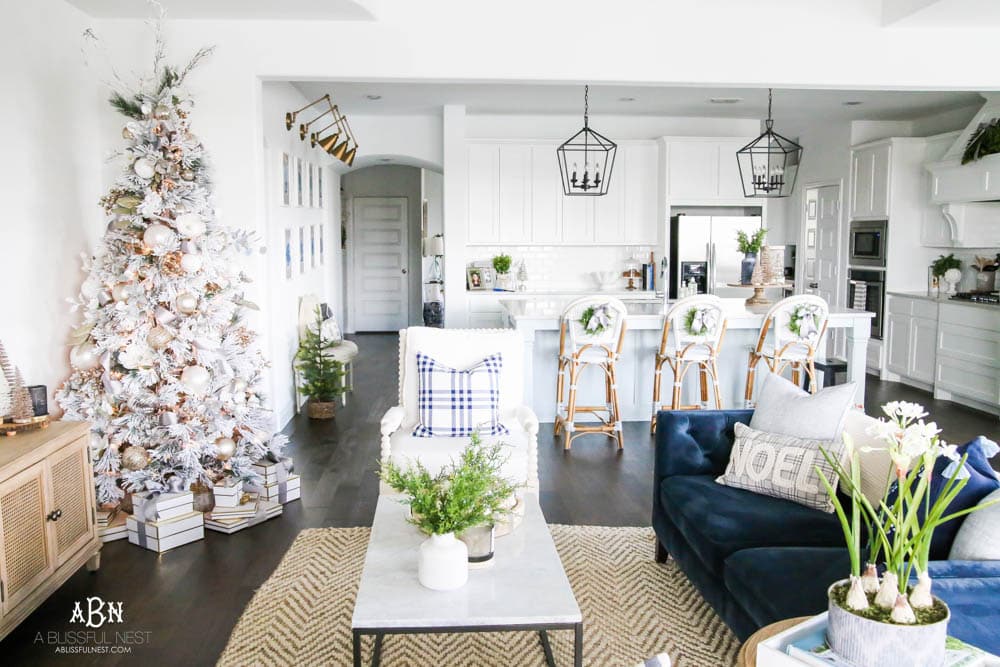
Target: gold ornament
{"x": 162, "y": 112}
{"x": 188, "y": 174}
{"x": 187, "y": 303}
{"x": 159, "y": 337}
{"x": 225, "y": 448}
{"x": 172, "y": 263}
{"x": 127, "y": 133}
{"x": 135, "y": 458}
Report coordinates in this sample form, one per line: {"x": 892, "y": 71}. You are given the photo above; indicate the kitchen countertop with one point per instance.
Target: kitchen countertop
{"x": 943, "y": 299}
{"x": 634, "y": 295}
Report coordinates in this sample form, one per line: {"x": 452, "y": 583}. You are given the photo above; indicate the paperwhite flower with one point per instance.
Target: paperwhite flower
{"x": 915, "y": 441}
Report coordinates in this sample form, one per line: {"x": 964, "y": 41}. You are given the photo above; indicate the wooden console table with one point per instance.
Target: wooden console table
{"x": 47, "y": 516}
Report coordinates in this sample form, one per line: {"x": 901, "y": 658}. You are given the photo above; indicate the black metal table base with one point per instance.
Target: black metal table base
{"x": 542, "y": 629}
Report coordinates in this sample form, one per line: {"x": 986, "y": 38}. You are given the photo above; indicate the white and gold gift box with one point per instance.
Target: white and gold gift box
{"x": 266, "y": 510}
{"x": 166, "y": 505}
{"x": 228, "y": 494}
{"x": 282, "y": 492}
{"x": 167, "y": 534}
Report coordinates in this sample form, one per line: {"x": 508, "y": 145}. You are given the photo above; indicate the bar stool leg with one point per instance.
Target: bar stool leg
{"x": 703, "y": 382}
{"x": 560, "y": 390}
{"x": 675, "y": 400}
{"x": 616, "y": 417}
{"x": 751, "y": 376}
{"x": 569, "y": 427}
{"x": 657, "y": 380}
{"x": 811, "y": 374}
{"x": 715, "y": 381}
{"x": 796, "y": 374}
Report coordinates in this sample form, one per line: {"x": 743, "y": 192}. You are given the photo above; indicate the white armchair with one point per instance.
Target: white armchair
{"x": 462, "y": 348}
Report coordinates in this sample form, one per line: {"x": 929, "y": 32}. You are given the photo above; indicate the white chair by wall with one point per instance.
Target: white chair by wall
{"x": 579, "y": 349}
{"x": 791, "y": 333}
{"x": 345, "y": 352}
{"x": 693, "y": 329}
{"x": 461, "y": 349}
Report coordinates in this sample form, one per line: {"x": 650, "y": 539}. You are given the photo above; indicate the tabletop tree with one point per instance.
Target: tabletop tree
{"x": 165, "y": 366}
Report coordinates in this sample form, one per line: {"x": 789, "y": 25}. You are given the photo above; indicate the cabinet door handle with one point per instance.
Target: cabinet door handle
{"x": 54, "y": 515}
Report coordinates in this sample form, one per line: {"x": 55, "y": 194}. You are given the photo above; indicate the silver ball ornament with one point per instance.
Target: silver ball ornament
{"x": 157, "y": 235}
{"x": 187, "y": 303}
{"x": 190, "y": 225}
{"x": 159, "y": 337}
{"x": 84, "y": 357}
{"x": 119, "y": 292}
{"x": 191, "y": 263}
{"x": 225, "y": 448}
{"x": 195, "y": 379}
{"x": 144, "y": 168}
{"x": 135, "y": 457}
{"x": 168, "y": 418}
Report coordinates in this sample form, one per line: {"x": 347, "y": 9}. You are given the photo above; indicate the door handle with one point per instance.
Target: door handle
{"x": 403, "y": 270}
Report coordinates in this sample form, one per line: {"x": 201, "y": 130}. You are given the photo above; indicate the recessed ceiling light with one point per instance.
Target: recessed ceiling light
{"x": 725, "y": 100}
{"x": 373, "y": 97}
{"x": 626, "y": 99}
{"x": 853, "y": 103}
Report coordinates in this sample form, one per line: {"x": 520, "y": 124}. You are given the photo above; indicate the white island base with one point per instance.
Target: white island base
{"x": 538, "y": 322}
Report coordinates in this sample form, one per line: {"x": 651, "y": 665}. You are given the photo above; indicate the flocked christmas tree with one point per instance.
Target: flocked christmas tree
{"x": 164, "y": 362}
{"x": 21, "y": 409}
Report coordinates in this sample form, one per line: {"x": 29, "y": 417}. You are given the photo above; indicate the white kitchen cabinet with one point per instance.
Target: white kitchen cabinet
{"x": 485, "y": 311}
{"x": 911, "y": 338}
{"x": 578, "y": 220}
{"x": 870, "y": 178}
{"x": 546, "y": 196}
{"x": 484, "y": 187}
{"x": 514, "y": 193}
{"x": 703, "y": 169}
{"x": 641, "y": 209}
{"x": 968, "y": 365}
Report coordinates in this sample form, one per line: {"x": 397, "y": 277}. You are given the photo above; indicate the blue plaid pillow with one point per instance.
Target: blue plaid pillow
{"x": 453, "y": 403}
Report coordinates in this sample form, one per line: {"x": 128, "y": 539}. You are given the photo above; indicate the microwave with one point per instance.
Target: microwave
{"x": 868, "y": 243}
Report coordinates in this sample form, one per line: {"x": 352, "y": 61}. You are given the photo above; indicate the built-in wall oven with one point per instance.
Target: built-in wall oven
{"x": 866, "y": 291}
{"x": 868, "y": 243}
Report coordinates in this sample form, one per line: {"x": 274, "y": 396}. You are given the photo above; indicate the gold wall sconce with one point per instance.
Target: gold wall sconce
{"x": 339, "y": 142}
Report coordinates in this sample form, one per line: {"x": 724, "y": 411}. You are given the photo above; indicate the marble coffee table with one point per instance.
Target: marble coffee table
{"x": 525, "y": 588}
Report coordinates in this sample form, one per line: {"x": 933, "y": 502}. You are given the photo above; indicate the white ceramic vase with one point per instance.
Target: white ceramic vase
{"x": 443, "y": 564}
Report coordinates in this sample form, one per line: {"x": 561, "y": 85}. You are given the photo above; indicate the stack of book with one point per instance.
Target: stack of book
{"x": 111, "y": 525}
{"x": 168, "y": 523}
{"x": 277, "y": 484}
{"x": 226, "y": 520}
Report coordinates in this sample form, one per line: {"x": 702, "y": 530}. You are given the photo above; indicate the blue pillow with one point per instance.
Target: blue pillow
{"x": 454, "y": 403}
{"x": 982, "y": 481}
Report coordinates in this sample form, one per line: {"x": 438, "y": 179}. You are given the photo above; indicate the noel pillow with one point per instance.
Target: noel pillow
{"x": 782, "y": 466}
{"x": 455, "y": 403}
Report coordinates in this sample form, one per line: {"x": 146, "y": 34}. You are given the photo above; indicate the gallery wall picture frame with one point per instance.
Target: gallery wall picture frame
{"x": 285, "y": 176}
{"x": 312, "y": 246}
{"x": 319, "y": 186}
{"x": 302, "y": 250}
{"x": 810, "y": 238}
{"x": 311, "y": 184}
{"x": 322, "y": 248}
{"x": 811, "y": 210}
{"x": 298, "y": 182}
{"x": 288, "y": 254}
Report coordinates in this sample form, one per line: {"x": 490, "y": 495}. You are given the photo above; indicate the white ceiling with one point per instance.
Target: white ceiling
{"x": 330, "y": 10}
{"x": 941, "y": 13}
{"x": 499, "y": 98}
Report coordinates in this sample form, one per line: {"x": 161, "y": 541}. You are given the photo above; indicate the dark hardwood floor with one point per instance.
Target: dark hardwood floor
{"x": 188, "y": 600}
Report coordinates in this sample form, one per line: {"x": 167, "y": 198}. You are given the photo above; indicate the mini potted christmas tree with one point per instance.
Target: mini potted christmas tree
{"x": 321, "y": 377}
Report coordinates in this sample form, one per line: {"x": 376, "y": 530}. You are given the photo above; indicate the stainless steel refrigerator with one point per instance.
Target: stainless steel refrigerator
{"x": 703, "y": 248}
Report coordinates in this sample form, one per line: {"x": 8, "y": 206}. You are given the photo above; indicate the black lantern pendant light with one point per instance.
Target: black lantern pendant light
{"x": 768, "y": 164}
{"x": 586, "y": 159}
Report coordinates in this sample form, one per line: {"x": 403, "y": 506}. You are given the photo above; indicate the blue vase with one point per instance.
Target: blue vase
{"x": 746, "y": 267}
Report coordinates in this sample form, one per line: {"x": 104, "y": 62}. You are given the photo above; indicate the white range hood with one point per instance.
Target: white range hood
{"x": 969, "y": 194}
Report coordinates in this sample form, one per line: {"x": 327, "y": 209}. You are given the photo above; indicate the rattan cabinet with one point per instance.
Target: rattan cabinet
{"x": 47, "y": 516}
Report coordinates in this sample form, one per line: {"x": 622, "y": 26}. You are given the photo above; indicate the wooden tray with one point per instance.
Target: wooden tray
{"x": 11, "y": 429}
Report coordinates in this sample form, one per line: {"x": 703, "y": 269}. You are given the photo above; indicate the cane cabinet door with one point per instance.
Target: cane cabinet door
{"x": 27, "y": 559}
{"x": 70, "y": 516}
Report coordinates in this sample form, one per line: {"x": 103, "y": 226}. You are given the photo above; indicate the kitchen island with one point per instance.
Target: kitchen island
{"x": 538, "y": 322}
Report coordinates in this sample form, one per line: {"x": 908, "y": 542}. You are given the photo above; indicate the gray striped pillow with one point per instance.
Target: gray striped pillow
{"x": 782, "y": 466}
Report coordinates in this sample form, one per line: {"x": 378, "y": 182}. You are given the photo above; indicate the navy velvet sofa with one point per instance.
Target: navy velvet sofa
{"x": 756, "y": 559}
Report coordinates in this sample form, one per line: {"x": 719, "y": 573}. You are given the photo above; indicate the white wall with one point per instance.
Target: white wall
{"x": 433, "y": 193}
{"x": 279, "y": 320}
{"x": 50, "y": 182}
{"x": 390, "y": 181}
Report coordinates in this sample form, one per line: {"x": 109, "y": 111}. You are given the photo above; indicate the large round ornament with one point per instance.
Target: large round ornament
{"x": 192, "y": 262}
{"x": 187, "y": 174}
{"x": 127, "y": 133}
{"x": 159, "y": 337}
{"x": 187, "y": 303}
{"x": 161, "y": 112}
{"x": 190, "y": 225}
{"x": 195, "y": 379}
{"x": 225, "y": 448}
{"x": 119, "y": 292}
{"x": 84, "y": 357}
{"x": 135, "y": 457}
{"x": 157, "y": 235}
{"x": 144, "y": 168}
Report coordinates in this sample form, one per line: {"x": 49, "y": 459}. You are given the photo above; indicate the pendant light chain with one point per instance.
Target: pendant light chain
{"x": 769, "y": 122}
{"x": 586, "y": 106}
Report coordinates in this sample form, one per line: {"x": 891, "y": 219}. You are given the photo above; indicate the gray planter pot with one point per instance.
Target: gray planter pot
{"x": 868, "y": 643}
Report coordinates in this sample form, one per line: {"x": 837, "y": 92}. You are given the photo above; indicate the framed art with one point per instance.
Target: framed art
{"x": 286, "y": 180}
{"x": 474, "y": 278}
{"x": 319, "y": 188}
{"x": 810, "y": 238}
{"x": 298, "y": 181}
{"x": 288, "y": 254}
{"x": 311, "y": 184}
{"x": 811, "y": 210}
{"x": 322, "y": 252}
{"x": 302, "y": 250}
{"x": 312, "y": 246}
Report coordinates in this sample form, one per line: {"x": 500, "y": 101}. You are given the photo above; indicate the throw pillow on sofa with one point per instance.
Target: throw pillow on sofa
{"x": 979, "y": 535}
{"x": 782, "y": 466}
{"x": 455, "y": 403}
{"x": 786, "y": 409}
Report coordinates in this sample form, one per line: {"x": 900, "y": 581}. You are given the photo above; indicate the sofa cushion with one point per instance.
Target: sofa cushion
{"x": 774, "y": 584}
{"x": 971, "y": 590}
{"x": 719, "y": 520}
{"x": 786, "y": 409}
{"x": 978, "y": 537}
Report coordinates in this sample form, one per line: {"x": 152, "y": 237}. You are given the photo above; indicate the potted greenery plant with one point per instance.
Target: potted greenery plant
{"x": 322, "y": 378}
{"x": 948, "y": 268}
{"x": 468, "y": 493}
{"x": 749, "y": 245}
{"x": 885, "y": 622}
{"x": 502, "y": 264}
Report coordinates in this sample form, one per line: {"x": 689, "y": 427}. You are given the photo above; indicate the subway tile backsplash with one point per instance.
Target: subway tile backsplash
{"x": 561, "y": 267}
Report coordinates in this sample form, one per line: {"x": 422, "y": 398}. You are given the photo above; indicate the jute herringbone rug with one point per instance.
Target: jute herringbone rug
{"x": 633, "y": 608}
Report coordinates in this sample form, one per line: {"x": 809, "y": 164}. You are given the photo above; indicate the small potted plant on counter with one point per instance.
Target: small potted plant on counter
{"x": 468, "y": 494}
{"x": 502, "y": 264}
{"x": 749, "y": 246}
{"x": 321, "y": 378}
{"x": 948, "y": 268}
{"x": 883, "y": 621}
